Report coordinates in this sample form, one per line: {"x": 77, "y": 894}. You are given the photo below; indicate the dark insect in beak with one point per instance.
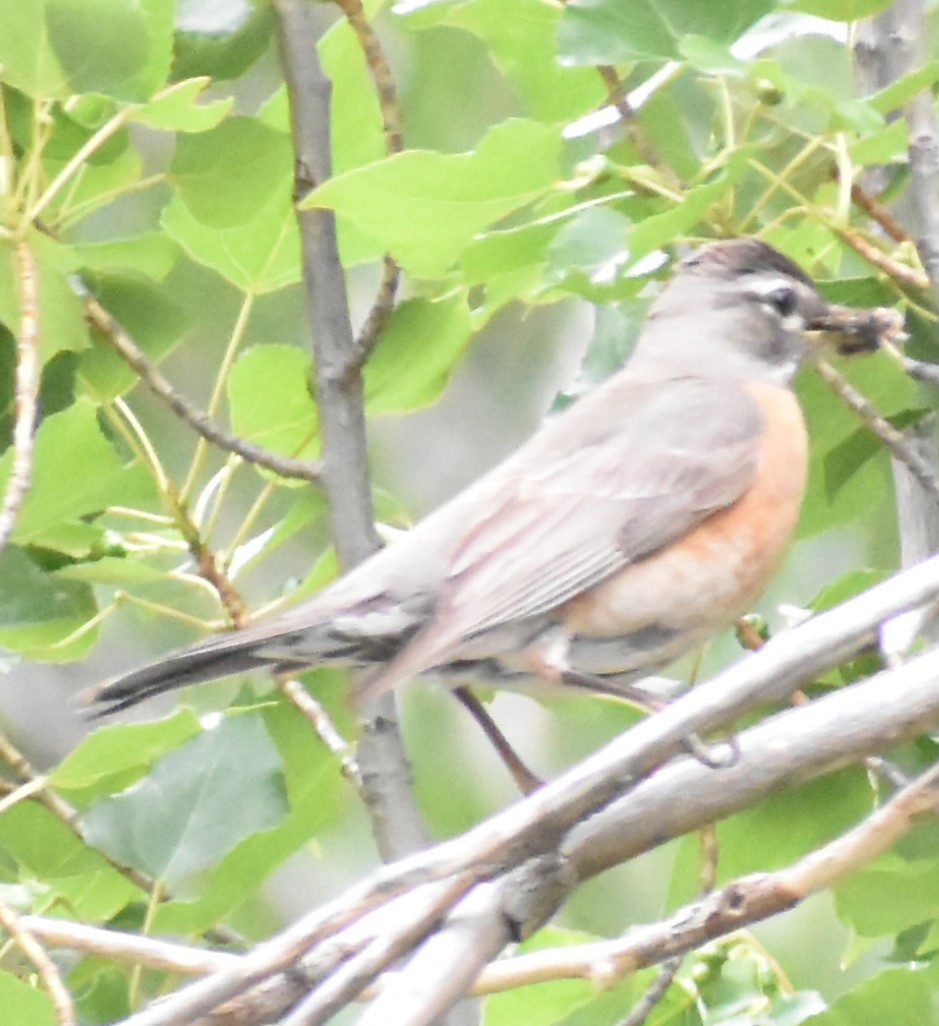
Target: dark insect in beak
{"x": 859, "y": 331}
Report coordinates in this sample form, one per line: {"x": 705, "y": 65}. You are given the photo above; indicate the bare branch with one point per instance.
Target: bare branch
{"x": 128, "y": 947}
{"x": 790, "y": 748}
{"x": 387, "y": 93}
{"x": 876, "y": 256}
{"x": 353, "y": 977}
{"x": 200, "y": 422}
{"x": 325, "y": 729}
{"x": 539, "y": 822}
{"x": 893, "y": 439}
{"x": 741, "y": 903}
{"x": 385, "y": 772}
{"x": 48, "y": 971}
{"x": 785, "y": 750}
{"x": 877, "y": 213}
{"x": 654, "y": 994}
{"x": 924, "y": 149}
{"x": 26, "y": 394}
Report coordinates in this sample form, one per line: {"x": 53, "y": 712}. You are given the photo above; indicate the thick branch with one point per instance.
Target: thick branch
{"x": 539, "y": 823}
{"x": 786, "y": 750}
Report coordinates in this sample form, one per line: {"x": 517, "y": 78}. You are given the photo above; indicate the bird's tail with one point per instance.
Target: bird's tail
{"x": 220, "y": 657}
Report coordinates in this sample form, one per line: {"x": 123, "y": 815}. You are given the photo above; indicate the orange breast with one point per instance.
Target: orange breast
{"x": 711, "y": 576}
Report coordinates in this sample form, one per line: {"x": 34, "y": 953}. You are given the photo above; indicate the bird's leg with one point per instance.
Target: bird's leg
{"x": 710, "y": 755}
{"x": 643, "y": 699}
{"x": 525, "y": 780}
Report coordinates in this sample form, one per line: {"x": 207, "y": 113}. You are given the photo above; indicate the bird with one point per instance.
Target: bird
{"x": 631, "y": 527}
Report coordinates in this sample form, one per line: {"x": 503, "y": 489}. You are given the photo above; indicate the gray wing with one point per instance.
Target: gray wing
{"x": 677, "y": 456}
{"x": 626, "y": 472}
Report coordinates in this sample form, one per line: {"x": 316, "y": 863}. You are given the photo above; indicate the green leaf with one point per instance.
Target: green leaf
{"x": 268, "y": 390}
{"x": 176, "y": 110}
{"x": 591, "y": 251}
{"x": 886, "y": 145}
{"x": 616, "y": 330}
{"x": 416, "y": 354}
{"x": 225, "y": 54}
{"x": 151, "y": 254}
{"x": 96, "y": 185}
{"x": 846, "y": 586}
{"x": 121, "y": 570}
{"x": 23, "y": 1004}
{"x": 424, "y": 208}
{"x": 77, "y": 472}
{"x": 838, "y": 10}
{"x": 845, "y": 482}
{"x": 225, "y": 175}
{"x": 661, "y": 229}
{"x": 780, "y": 829}
{"x": 37, "y": 613}
{"x": 197, "y": 803}
{"x": 260, "y": 255}
{"x": 317, "y": 795}
{"x": 27, "y": 60}
{"x": 505, "y": 251}
{"x": 110, "y": 46}
{"x": 525, "y": 49}
{"x": 900, "y": 92}
{"x": 611, "y": 32}
{"x": 891, "y": 894}
{"x": 46, "y": 849}
{"x": 901, "y": 997}
{"x": 112, "y": 750}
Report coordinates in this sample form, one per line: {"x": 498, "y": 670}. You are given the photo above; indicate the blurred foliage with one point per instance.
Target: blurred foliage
{"x": 148, "y": 158}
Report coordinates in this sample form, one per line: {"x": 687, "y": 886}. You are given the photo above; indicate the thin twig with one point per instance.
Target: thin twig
{"x": 879, "y": 214}
{"x": 207, "y": 563}
{"x": 920, "y": 370}
{"x": 325, "y": 729}
{"x": 200, "y": 422}
{"x": 880, "y": 427}
{"x": 26, "y": 395}
{"x": 127, "y": 947}
{"x": 48, "y": 971}
{"x": 618, "y": 98}
{"x": 876, "y": 256}
{"x": 387, "y": 93}
{"x": 658, "y": 990}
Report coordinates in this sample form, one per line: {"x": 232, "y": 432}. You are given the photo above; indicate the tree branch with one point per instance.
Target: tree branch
{"x": 48, "y": 971}
{"x": 26, "y": 393}
{"x": 538, "y": 824}
{"x": 746, "y": 901}
{"x": 185, "y": 409}
{"x": 385, "y": 771}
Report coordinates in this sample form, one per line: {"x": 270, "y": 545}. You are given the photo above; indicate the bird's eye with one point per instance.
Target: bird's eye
{"x": 782, "y": 299}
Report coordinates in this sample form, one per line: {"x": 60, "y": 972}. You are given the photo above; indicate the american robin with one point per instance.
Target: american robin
{"x": 631, "y": 527}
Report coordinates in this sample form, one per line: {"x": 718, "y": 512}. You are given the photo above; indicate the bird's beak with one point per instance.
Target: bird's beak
{"x": 858, "y": 330}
